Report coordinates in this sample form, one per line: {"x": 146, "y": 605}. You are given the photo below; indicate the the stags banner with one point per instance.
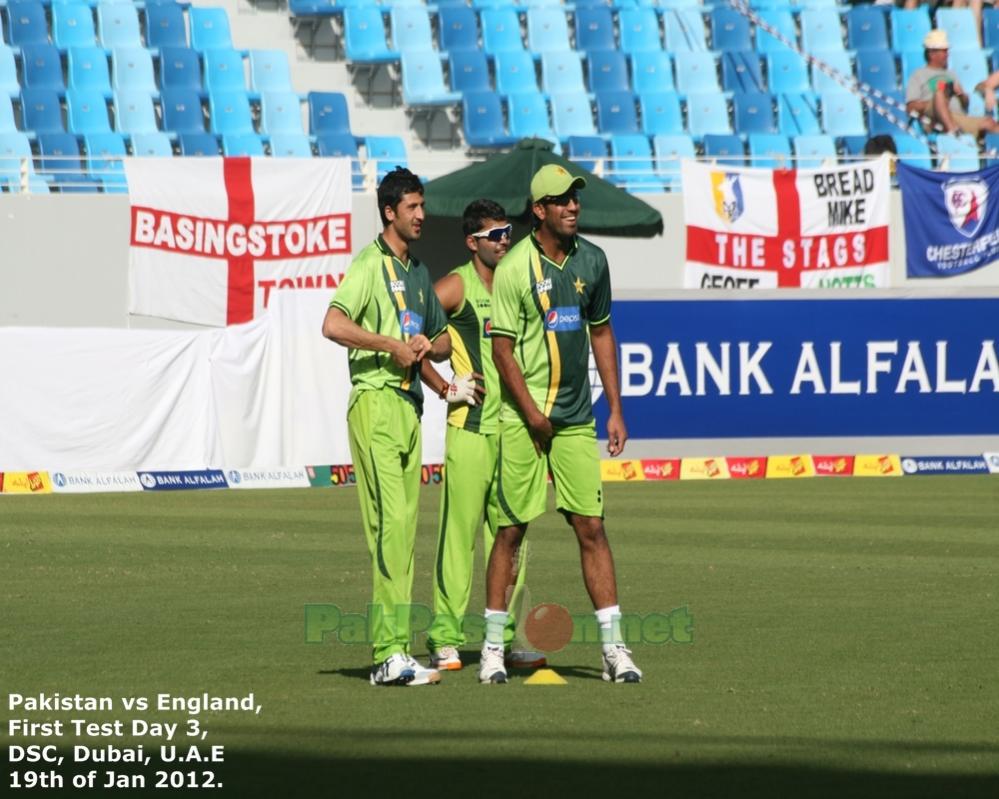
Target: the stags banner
{"x": 212, "y": 238}
{"x": 786, "y": 228}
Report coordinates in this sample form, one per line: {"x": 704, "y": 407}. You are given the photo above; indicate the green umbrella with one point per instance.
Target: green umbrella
{"x": 505, "y": 178}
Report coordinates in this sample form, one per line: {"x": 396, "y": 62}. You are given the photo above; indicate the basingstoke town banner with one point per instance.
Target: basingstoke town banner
{"x": 786, "y": 228}
{"x": 212, "y": 238}
{"x": 951, "y": 220}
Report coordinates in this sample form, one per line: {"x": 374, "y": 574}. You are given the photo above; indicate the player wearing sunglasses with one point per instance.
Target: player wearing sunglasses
{"x": 469, "y": 491}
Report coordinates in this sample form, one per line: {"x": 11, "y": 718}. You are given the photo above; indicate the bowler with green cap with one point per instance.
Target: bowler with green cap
{"x": 554, "y": 180}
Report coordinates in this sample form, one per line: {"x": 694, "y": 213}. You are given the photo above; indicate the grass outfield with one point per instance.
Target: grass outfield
{"x": 845, "y": 642}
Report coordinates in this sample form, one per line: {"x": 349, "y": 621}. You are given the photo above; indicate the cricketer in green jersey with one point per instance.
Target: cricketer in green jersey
{"x": 386, "y": 313}
{"x": 551, "y": 305}
{"x": 469, "y": 492}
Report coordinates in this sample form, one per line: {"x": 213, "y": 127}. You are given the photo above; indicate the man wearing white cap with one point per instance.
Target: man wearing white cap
{"x": 934, "y": 91}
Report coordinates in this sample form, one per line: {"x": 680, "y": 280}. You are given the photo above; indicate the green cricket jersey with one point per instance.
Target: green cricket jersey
{"x": 395, "y": 299}
{"x": 548, "y": 308}
{"x": 472, "y": 351}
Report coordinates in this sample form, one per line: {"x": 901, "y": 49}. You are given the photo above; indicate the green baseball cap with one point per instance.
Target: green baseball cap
{"x": 553, "y": 180}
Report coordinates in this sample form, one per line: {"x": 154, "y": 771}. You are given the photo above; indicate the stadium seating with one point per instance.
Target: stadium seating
{"x": 572, "y": 115}
{"x": 210, "y": 28}
{"x": 730, "y": 30}
{"x": 423, "y": 80}
{"x": 411, "y": 29}
{"x": 10, "y": 86}
{"x": 797, "y": 115}
{"x": 631, "y": 163}
{"x": 725, "y": 149}
{"x": 594, "y": 29}
{"x": 707, "y": 114}
{"x": 616, "y": 113}
{"x": 908, "y": 27}
{"x": 482, "y": 120}
{"x": 132, "y": 68}
{"x": 500, "y": 31}
{"x": 72, "y": 26}
{"x": 769, "y": 151}
{"x": 42, "y": 67}
{"x": 661, "y": 114}
{"x": 269, "y": 71}
{"x": 387, "y": 152}
{"x": 469, "y": 71}
{"x": 459, "y": 29}
{"x": 529, "y": 116}
{"x": 957, "y": 153}
{"x": 866, "y": 29}
{"x": 696, "y": 73}
{"x": 754, "y": 113}
{"x": 813, "y": 151}
{"x": 669, "y": 152}
{"x": 156, "y": 145}
{"x": 651, "y": 71}
{"x": 587, "y": 151}
{"x": 134, "y": 112}
{"x": 165, "y": 26}
{"x": 364, "y": 36}
{"x": 741, "y": 72}
{"x": 607, "y": 70}
{"x": 199, "y": 144}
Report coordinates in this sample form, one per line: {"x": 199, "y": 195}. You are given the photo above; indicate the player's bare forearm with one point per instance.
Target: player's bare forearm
{"x": 513, "y": 378}
{"x": 605, "y": 354}
{"x": 339, "y": 327}
{"x": 440, "y": 350}
{"x": 431, "y": 378}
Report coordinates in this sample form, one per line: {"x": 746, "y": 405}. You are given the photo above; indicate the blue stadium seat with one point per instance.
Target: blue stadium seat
{"x": 783, "y": 23}
{"x": 482, "y": 120}
{"x": 87, "y": 68}
{"x": 911, "y": 61}
{"x": 515, "y": 72}
{"x": 469, "y": 71}
{"x": 151, "y": 145}
{"x": 459, "y": 29}
{"x": 209, "y": 28}
{"x": 230, "y": 113}
{"x": 309, "y": 9}
{"x": 105, "y": 152}
{"x": 488, "y": 5}
{"x": 707, "y": 113}
{"x": 837, "y": 61}
{"x": 616, "y": 113}
{"x": 696, "y": 73}
{"x": 631, "y": 164}
{"x": 561, "y": 72}
{"x": 280, "y": 112}
{"x": 957, "y": 153}
{"x": 661, "y": 113}
{"x": 639, "y": 29}
{"x": 269, "y": 71}
{"x": 670, "y": 151}
{"x": 741, "y": 72}
{"x": 908, "y": 27}
{"x": 132, "y": 68}
{"x": 990, "y": 28}
{"x": 876, "y": 68}
{"x": 86, "y": 112}
{"x": 73, "y": 25}
{"x": 134, "y": 112}
{"x": 182, "y": 111}
{"x": 992, "y": 149}
{"x": 962, "y": 33}
{"x": 754, "y": 112}
{"x": 9, "y": 83}
{"x": 26, "y": 24}
{"x": 586, "y": 151}
{"x": 242, "y": 144}
{"x": 224, "y": 70}
{"x": 547, "y": 30}
{"x": 651, "y": 71}
{"x": 797, "y": 115}
{"x": 913, "y": 151}
{"x": 423, "y": 80}
{"x": 685, "y": 31}
{"x": 118, "y": 26}
{"x": 607, "y": 71}
{"x": 970, "y": 67}
{"x": 290, "y": 145}
{"x": 529, "y": 117}
{"x": 812, "y": 151}
{"x": 364, "y": 36}
{"x": 15, "y": 149}
{"x": 877, "y": 124}
{"x": 340, "y": 145}
{"x": 180, "y": 68}
{"x": 769, "y": 151}
{"x": 411, "y": 30}
{"x": 7, "y": 124}
{"x": 387, "y": 151}
{"x": 41, "y": 111}
{"x": 787, "y": 72}
{"x": 328, "y": 114}
{"x": 572, "y": 115}
{"x": 500, "y": 31}
{"x": 821, "y": 31}
{"x": 729, "y": 30}
{"x": 199, "y": 144}
{"x": 842, "y": 114}
{"x": 866, "y": 28}
{"x": 59, "y": 158}
{"x": 594, "y": 29}
{"x": 852, "y": 145}
{"x": 42, "y": 67}
{"x": 165, "y": 26}
{"x": 725, "y": 149}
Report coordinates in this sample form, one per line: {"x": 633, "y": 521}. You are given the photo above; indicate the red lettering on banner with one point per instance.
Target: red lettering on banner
{"x": 300, "y": 282}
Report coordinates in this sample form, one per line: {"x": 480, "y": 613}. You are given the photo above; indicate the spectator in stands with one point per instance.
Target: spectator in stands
{"x": 935, "y": 92}
{"x": 876, "y": 145}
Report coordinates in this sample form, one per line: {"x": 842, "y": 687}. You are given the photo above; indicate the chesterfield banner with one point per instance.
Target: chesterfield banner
{"x": 951, "y": 220}
{"x": 786, "y": 228}
{"x": 212, "y": 238}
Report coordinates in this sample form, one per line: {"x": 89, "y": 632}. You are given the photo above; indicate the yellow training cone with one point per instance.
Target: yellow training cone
{"x": 545, "y": 677}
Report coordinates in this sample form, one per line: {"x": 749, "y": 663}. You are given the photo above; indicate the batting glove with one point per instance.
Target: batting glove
{"x": 462, "y": 389}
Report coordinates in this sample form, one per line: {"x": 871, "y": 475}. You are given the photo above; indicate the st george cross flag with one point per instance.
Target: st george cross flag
{"x": 212, "y": 238}
{"x": 951, "y": 220}
{"x": 786, "y": 228}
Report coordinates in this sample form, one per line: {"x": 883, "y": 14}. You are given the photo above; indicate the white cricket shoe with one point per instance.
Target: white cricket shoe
{"x": 399, "y": 669}
{"x": 491, "y": 668}
{"x": 618, "y": 665}
{"x": 446, "y": 659}
{"x": 421, "y": 674}
{"x": 525, "y": 659}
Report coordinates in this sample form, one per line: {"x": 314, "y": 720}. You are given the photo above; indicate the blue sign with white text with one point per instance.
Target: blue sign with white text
{"x": 944, "y": 464}
{"x": 951, "y": 220}
{"x": 776, "y": 368}
{"x": 181, "y": 480}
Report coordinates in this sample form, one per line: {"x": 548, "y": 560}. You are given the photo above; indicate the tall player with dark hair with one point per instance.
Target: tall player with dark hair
{"x": 469, "y": 495}
{"x": 386, "y": 313}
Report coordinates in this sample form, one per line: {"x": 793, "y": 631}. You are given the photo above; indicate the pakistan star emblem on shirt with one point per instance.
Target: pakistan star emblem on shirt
{"x": 579, "y": 284}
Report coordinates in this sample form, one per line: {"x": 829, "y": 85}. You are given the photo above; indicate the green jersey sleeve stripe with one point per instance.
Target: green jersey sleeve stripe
{"x": 498, "y": 331}
{"x": 341, "y": 306}
{"x": 603, "y": 321}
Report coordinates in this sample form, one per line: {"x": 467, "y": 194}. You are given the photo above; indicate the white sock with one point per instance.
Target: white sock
{"x": 495, "y": 625}
{"x": 609, "y": 621}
